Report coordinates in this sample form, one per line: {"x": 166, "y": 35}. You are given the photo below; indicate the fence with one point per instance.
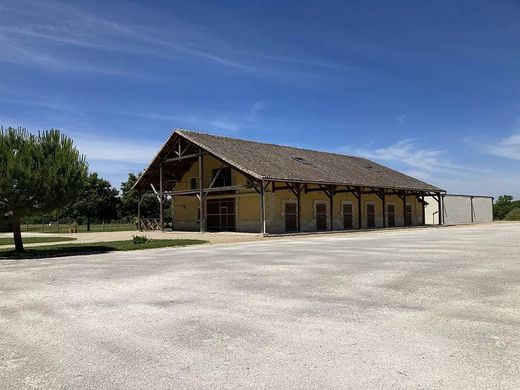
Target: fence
{"x": 64, "y": 227}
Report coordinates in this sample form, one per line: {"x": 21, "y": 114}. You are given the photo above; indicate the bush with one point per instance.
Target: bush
{"x": 138, "y": 240}
{"x": 513, "y": 215}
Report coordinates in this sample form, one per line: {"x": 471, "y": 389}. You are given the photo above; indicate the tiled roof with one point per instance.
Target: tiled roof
{"x": 284, "y": 163}
{"x": 288, "y": 164}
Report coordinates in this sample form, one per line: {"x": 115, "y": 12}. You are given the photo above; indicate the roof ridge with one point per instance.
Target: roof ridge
{"x": 177, "y": 130}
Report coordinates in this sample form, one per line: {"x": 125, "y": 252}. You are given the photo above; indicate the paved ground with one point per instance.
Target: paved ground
{"x": 421, "y": 309}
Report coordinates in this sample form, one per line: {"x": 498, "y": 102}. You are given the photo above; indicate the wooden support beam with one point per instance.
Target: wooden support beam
{"x": 202, "y": 214}
{"x": 441, "y": 211}
{"x": 185, "y": 157}
{"x": 205, "y": 190}
{"x": 404, "y": 208}
{"x": 161, "y": 198}
{"x": 472, "y": 211}
{"x": 298, "y": 206}
{"x": 214, "y": 179}
{"x": 139, "y": 210}
{"x": 359, "y": 207}
{"x": 423, "y": 210}
{"x": 383, "y": 201}
{"x": 331, "y": 205}
{"x": 262, "y": 208}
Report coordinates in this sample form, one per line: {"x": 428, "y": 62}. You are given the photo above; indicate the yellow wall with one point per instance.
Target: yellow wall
{"x": 247, "y": 204}
{"x": 276, "y": 205}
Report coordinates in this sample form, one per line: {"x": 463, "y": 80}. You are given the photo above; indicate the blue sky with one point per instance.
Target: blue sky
{"x": 429, "y": 88}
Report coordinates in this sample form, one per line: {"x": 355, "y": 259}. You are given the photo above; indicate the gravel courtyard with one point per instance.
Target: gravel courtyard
{"x": 423, "y": 309}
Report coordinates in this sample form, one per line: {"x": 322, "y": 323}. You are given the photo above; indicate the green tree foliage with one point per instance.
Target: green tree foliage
{"x": 97, "y": 200}
{"x": 149, "y": 205}
{"x": 513, "y": 215}
{"x": 503, "y": 205}
{"x": 38, "y": 174}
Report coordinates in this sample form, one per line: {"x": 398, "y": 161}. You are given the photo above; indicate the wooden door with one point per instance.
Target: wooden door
{"x": 390, "y": 213}
{"x": 371, "y": 215}
{"x": 220, "y": 214}
{"x": 321, "y": 216}
{"x": 409, "y": 221}
{"x": 291, "y": 222}
{"x": 348, "y": 216}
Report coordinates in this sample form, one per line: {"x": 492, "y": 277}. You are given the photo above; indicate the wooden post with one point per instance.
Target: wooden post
{"x": 472, "y": 210}
{"x": 383, "y": 201}
{"x": 423, "y": 210}
{"x": 139, "y": 227}
{"x": 439, "y": 208}
{"x": 404, "y": 208}
{"x": 331, "y": 203}
{"x": 161, "y": 198}
{"x": 262, "y": 207}
{"x": 298, "y": 206}
{"x": 202, "y": 217}
{"x": 359, "y": 207}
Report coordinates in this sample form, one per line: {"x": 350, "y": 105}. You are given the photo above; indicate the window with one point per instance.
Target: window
{"x": 193, "y": 183}
{"x": 224, "y": 177}
{"x": 348, "y": 216}
{"x": 372, "y": 168}
{"x": 301, "y": 160}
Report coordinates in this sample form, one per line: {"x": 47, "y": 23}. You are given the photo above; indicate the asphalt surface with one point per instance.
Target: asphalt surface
{"x": 422, "y": 309}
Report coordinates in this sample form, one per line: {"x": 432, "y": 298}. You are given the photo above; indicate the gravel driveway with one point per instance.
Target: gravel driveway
{"x": 424, "y": 308}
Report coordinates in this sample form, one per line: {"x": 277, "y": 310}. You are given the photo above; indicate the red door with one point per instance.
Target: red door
{"x": 348, "y": 216}
{"x": 321, "y": 216}
{"x": 390, "y": 212}
{"x": 371, "y": 215}
{"x": 220, "y": 214}
{"x": 408, "y": 215}
{"x": 291, "y": 223}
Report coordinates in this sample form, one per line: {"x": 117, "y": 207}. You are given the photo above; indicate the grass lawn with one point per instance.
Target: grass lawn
{"x": 34, "y": 240}
{"x": 91, "y": 248}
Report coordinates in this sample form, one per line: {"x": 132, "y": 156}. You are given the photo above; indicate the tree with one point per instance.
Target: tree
{"x": 503, "y": 205}
{"x": 38, "y": 174}
{"x": 513, "y": 215}
{"x": 149, "y": 205}
{"x": 98, "y": 199}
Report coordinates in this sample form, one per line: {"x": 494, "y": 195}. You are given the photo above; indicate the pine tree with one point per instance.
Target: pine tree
{"x": 38, "y": 174}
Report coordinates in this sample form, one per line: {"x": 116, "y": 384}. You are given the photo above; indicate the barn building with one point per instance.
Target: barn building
{"x": 219, "y": 183}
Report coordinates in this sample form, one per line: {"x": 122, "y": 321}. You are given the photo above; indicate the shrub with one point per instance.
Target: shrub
{"x": 137, "y": 240}
{"x": 513, "y": 215}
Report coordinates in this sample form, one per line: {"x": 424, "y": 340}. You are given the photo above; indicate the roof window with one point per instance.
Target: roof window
{"x": 301, "y": 160}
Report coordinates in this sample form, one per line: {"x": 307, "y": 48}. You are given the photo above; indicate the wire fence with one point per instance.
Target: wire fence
{"x": 63, "y": 227}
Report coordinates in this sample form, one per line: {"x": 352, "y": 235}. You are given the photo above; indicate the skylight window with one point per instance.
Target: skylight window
{"x": 372, "y": 168}
{"x": 301, "y": 160}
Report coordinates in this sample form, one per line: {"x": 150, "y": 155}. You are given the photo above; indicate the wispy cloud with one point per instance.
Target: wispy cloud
{"x": 434, "y": 165}
{"x": 115, "y": 149}
{"x": 225, "y": 121}
{"x": 231, "y": 122}
{"x": 408, "y": 153}
{"x": 114, "y": 157}
{"x": 402, "y": 118}
{"x": 179, "y": 41}
{"x": 508, "y": 147}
